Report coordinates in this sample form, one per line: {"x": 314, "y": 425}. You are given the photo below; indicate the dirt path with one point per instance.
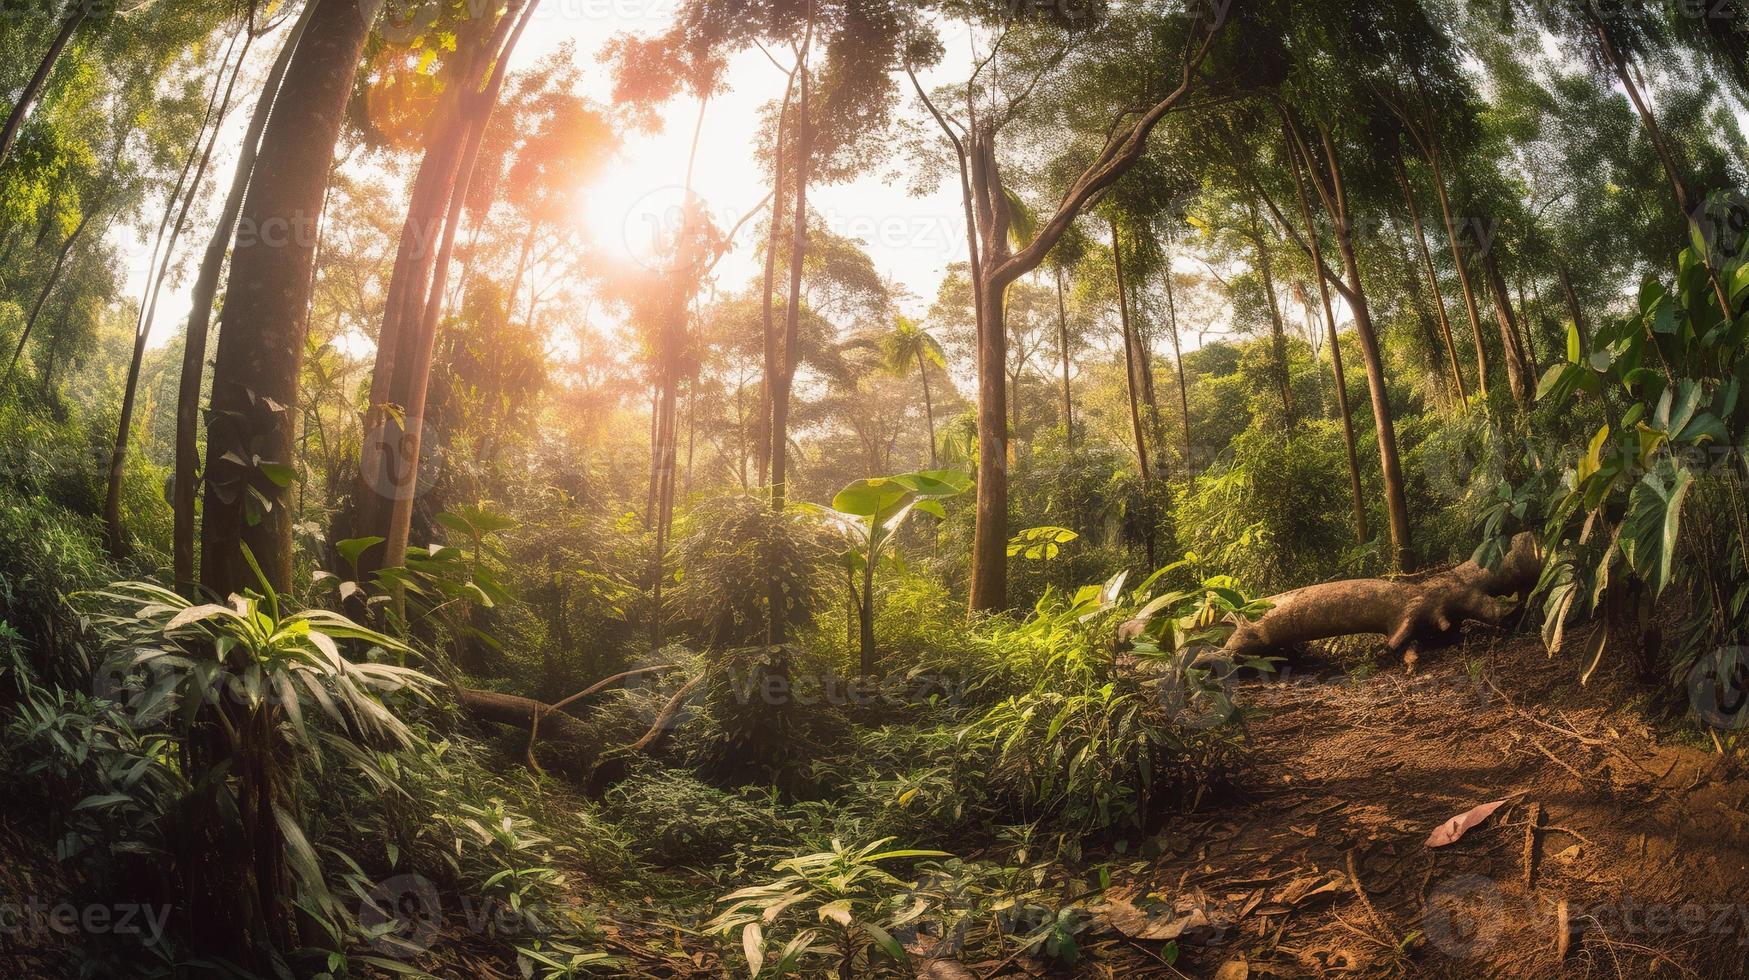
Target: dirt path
{"x": 1639, "y": 865}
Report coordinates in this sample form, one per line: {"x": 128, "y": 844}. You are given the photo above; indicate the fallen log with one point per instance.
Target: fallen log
{"x": 519, "y": 712}
{"x": 1408, "y": 611}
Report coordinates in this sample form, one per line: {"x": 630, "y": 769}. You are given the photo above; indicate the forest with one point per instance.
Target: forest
{"x": 954, "y": 489}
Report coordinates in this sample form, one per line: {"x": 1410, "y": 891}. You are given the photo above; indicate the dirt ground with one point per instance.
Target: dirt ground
{"x": 1616, "y": 853}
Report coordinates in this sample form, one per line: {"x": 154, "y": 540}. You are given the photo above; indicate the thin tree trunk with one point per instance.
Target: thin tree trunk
{"x": 389, "y": 458}
{"x": 777, "y": 607}
{"x": 928, "y": 404}
{"x": 1178, "y": 360}
{"x": 1457, "y": 371}
{"x": 1463, "y": 273}
{"x": 1361, "y": 532}
{"x": 1063, "y": 347}
{"x": 112, "y": 521}
{"x": 1396, "y": 503}
{"x": 1516, "y": 370}
{"x": 206, "y": 284}
{"x": 768, "y": 315}
{"x": 1574, "y": 310}
{"x": 54, "y": 278}
{"x": 33, "y": 88}
{"x": 1283, "y": 378}
{"x": 1129, "y": 355}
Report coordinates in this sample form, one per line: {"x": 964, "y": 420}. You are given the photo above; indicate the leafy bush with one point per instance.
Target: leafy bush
{"x": 847, "y": 903}
{"x": 726, "y": 547}
{"x": 675, "y": 819}
{"x": 1272, "y": 512}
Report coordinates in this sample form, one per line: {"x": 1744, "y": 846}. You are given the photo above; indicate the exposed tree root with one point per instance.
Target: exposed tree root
{"x": 1406, "y": 611}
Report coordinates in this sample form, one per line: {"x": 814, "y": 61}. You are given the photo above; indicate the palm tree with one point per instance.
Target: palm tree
{"x": 906, "y": 345}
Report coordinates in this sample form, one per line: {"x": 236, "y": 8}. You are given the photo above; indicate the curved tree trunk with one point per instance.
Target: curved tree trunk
{"x": 388, "y": 458}
{"x": 49, "y": 284}
{"x": 206, "y": 285}
{"x": 1396, "y": 502}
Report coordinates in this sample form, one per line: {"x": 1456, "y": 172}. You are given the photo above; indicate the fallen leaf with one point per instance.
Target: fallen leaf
{"x": 1456, "y": 827}
{"x": 1234, "y": 969}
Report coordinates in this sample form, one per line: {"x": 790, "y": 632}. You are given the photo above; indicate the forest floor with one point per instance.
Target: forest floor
{"x": 1621, "y": 848}
{"x": 1618, "y": 852}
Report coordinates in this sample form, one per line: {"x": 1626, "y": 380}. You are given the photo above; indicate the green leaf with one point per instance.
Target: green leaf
{"x": 351, "y": 548}
{"x": 282, "y": 474}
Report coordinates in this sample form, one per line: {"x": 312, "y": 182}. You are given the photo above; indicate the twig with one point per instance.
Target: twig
{"x": 1557, "y": 761}
{"x": 1366, "y": 903}
{"x": 1530, "y": 829}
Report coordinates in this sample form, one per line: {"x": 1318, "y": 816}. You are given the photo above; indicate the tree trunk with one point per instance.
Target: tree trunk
{"x": 1574, "y": 310}
{"x": 149, "y": 303}
{"x": 1283, "y": 378}
{"x": 261, "y": 343}
{"x": 33, "y": 88}
{"x": 1457, "y": 371}
{"x": 1396, "y": 503}
{"x": 1463, "y": 272}
{"x": 48, "y": 287}
{"x": 1361, "y": 532}
{"x": 394, "y": 423}
{"x": 1178, "y": 361}
{"x": 1063, "y": 348}
{"x": 867, "y": 659}
{"x": 768, "y": 319}
{"x": 206, "y": 284}
{"x": 1129, "y": 355}
{"x": 253, "y": 421}
{"x": 1406, "y": 611}
{"x": 1517, "y": 371}
{"x": 777, "y": 607}
{"x": 928, "y": 405}
{"x": 989, "y": 586}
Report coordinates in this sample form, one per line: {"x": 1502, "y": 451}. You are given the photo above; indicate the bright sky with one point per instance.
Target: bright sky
{"x": 912, "y": 240}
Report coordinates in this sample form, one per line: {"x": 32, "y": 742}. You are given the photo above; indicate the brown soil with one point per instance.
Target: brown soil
{"x": 1637, "y": 863}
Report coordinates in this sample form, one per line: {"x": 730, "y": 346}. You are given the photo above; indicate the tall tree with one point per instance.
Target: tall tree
{"x": 252, "y": 439}
{"x": 996, "y": 266}
{"x": 186, "y": 467}
{"x": 400, "y": 378}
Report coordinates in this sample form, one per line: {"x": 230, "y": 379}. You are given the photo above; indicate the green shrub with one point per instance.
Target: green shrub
{"x": 674, "y": 819}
